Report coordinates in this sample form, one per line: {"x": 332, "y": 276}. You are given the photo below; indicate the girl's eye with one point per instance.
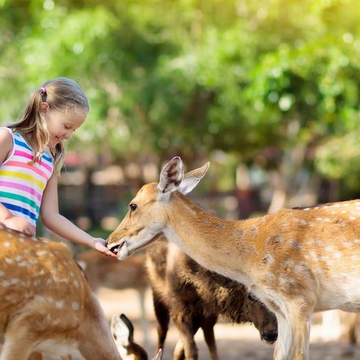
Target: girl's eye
{"x": 133, "y": 207}
{"x": 67, "y": 127}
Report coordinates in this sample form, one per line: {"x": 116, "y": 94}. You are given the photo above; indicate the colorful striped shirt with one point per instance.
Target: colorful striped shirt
{"x": 22, "y": 182}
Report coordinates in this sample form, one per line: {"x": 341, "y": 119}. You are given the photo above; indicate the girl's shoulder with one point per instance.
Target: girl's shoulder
{"x": 6, "y": 137}
{"x": 6, "y": 144}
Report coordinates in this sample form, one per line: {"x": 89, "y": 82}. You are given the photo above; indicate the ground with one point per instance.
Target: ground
{"x": 235, "y": 342}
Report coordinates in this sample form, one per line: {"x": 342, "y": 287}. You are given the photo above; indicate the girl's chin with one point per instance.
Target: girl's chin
{"x": 52, "y": 143}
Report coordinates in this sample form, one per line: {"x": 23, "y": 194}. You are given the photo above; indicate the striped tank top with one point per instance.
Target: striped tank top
{"x": 22, "y": 182}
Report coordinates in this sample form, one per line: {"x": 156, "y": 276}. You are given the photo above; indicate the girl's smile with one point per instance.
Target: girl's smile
{"x": 61, "y": 125}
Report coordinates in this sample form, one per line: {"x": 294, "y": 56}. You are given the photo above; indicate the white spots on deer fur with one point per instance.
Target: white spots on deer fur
{"x": 338, "y": 255}
{"x": 9, "y": 261}
{"x": 301, "y": 268}
{"x": 55, "y": 322}
{"x": 76, "y": 283}
{"x": 18, "y": 258}
{"x": 39, "y": 298}
{"x": 357, "y": 241}
{"x": 41, "y": 253}
{"x": 6, "y": 244}
{"x": 352, "y": 218}
{"x": 15, "y": 281}
{"x": 312, "y": 255}
{"x": 318, "y": 242}
{"x": 355, "y": 257}
{"x": 310, "y": 242}
{"x": 2, "y": 273}
{"x": 268, "y": 258}
{"x": 5, "y": 283}
{"x": 294, "y": 244}
{"x": 59, "y": 304}
{"x": 306, "y": 209}
{"x": 289, "y": 262}
{"x": 348, "y": 244}
{"x": 219, "y": 226}
{"x": 303, "y": 223}
{"x": 254, "y": 230}
{"x": 75, "y": 305}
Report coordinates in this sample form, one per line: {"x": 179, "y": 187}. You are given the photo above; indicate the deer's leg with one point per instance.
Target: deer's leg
{"x": 163, "y": 318}
{"x": 207, "y": 325}
{"x": 300, "y": 329}
{"x": 144, "y": 322}
{"x": 18, "y": 343}
{"x": 187, "y": 327}
{"x": 282, "y": 345}
{"x": 294, "y": 332}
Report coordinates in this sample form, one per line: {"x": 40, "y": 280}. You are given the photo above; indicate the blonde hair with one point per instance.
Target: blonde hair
{"x": 59, "y": 94}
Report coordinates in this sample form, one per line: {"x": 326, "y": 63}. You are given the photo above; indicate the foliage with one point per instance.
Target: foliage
{"x": 250, "y": 78}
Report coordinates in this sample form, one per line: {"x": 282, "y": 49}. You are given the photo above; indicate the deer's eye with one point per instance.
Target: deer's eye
{"x": 133, "y": 207}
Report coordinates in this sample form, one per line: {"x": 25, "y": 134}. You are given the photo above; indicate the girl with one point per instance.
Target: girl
{"x": 31, "y": 156}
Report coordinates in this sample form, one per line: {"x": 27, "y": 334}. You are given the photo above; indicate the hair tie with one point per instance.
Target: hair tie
{"x": 43, "y": 94}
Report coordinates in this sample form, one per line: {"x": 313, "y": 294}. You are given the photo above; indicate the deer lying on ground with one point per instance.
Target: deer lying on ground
{"x": 194, "y": 297}
{"x": 101, "y": 270}
{"x": 47, "y": 305}
{"x": 123, "y": 333}
{"x": 295, "y": 261}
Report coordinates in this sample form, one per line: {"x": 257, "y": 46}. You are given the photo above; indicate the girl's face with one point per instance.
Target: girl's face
{"x": 62, "y": 124}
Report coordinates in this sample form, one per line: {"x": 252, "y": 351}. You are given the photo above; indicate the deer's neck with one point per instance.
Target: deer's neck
{"x": 226, "y": 247}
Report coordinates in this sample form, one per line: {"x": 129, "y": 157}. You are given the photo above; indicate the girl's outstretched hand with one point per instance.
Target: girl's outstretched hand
{"x": 99, "y": 245}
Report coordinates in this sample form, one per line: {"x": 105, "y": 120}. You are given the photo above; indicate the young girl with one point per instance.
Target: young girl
{"x": 31, "y": 156}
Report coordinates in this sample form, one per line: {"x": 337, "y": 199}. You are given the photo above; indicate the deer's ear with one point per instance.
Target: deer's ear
{"x": 192, "y": 178}
{"x": 120, "y": 331}
{"x": 171, "y": 176}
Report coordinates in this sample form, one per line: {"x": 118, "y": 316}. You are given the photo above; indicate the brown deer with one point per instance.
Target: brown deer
{"x": 193, "y": 297}
{"x": 47, "y": 305}
{"x": 296, "y": 261}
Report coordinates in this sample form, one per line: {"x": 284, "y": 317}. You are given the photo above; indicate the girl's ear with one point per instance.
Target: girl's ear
{"x": 45, "y": 107}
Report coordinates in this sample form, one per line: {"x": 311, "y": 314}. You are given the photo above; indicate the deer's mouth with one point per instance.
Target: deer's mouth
{"x": 115, "y": 248}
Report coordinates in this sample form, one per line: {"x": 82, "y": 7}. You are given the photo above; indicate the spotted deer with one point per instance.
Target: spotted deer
{"x": 110, "y": 273}
{"x": 47, "y": 305}
{"x": 296, "y": 261}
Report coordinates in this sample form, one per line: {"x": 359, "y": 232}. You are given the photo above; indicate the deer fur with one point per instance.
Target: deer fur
{"x": 47, "y": 305}
{"x": 194, "y": 297}
{"x": 295, "y": 261}
{"x": 108, "y": 272}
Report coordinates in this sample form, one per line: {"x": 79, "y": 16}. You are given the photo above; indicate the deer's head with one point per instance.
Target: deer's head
{"x": 147, "y": 218}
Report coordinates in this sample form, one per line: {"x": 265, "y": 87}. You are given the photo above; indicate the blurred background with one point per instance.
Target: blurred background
{"x": 268, "y": 91}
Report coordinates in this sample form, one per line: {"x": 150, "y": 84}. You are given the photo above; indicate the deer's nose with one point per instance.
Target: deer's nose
{"x": 270, "y": 336}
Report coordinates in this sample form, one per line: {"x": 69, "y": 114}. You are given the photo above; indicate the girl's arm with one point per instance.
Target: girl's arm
{"x": 6, "y": 217}
{"x": 50, "y": 217}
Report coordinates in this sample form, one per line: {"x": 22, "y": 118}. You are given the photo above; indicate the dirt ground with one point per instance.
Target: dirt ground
{"x": 235, "y": 342}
